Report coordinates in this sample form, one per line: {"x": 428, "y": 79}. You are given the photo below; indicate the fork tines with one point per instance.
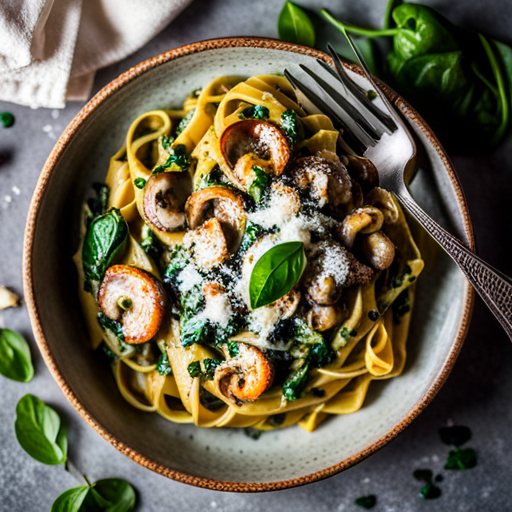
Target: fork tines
{"x": 349, "y": 106}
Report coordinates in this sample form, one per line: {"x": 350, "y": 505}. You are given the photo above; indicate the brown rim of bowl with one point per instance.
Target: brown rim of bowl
{"x": 44, "y": 348}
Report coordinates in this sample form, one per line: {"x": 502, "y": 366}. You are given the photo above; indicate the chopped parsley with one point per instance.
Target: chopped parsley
{"x": 194, "y": 369}
{"x": 178, "y": 156}
{"x": 255, "y": 112}
{"x": 259, "y": 185}
{"x": 292, "y": 127}
{"x": 185, "y": 121}
{"x": 163, "y": 365}
{"x": 139, "y": 182}
{"x": 209, "y": 367}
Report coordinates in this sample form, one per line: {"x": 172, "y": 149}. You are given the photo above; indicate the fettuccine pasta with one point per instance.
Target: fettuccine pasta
{"x": 240, "y": 267}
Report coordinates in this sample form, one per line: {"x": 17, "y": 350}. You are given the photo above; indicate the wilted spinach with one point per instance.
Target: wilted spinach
{"x": 104, "y": 239}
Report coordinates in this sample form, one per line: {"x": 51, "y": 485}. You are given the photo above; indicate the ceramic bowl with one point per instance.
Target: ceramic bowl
{"x": 226, "y": 459}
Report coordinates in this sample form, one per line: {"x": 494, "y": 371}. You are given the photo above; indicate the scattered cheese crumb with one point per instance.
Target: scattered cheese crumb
{"x": 16, "y": 190}
{"x": 55, "y": 114}
{"x": 188, "y": 278}
{"x": 8, "y": 299}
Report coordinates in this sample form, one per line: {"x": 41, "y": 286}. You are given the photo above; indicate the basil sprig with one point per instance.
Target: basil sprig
{"x": 103, "y": 240}
{"x": 109, "y": 495}
{"x": 276, "y": 273}
{"x": 40, "y": 432}
{"x": 15, "y": 359}
{"x": 295, "y": 26}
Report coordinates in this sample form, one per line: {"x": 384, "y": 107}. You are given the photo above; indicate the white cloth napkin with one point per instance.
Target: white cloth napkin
{"x": 51, "y": 49}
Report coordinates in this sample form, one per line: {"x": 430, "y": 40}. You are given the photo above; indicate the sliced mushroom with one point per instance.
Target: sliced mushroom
{"x": 261, "y": 139}
{"x": 209, "y": 244}
{"x": 246, "y": 376}
{"x": 365, "y": 220}
{"x": 287, "y": 304}
{"x": 364, "y": 172}
{"x": 330, "y": 269}
{"x": 323, "y": 318}
{"x": 222, "y": 203}
{"x": 377, "y": 250}
{"x": 165, "y": 195}
{"x": 327, "y": 180}
{"x": 134, "y": 298}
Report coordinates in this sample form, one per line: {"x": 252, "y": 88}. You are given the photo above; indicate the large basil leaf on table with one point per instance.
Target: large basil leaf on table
{"x": 103, "y": 241}
{"x": 15, "y": 358}
{"x": 40, "y": 432}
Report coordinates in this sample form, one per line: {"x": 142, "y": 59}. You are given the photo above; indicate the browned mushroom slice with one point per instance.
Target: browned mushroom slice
{"x": 327, "y": 180}
{"x": 365, "y": 220}
{"x": 364, "y": 172}
{"x": 165, "y": 195}
{"x": 222, "y": 203}
{"x": 377, "y": 250}
{"x": 209, "y": 244}
{"x": 246, "y": 376}
{"x": 134, "y": 298}
{"x": 323, "y": 318}
{"x": 262, "y": 139}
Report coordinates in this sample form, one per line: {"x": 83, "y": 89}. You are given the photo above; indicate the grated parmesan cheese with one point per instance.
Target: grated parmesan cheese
{"x": 188, "y": 278}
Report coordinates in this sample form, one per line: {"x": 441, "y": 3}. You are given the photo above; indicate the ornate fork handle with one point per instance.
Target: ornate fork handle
{"x": 494, "y": 287}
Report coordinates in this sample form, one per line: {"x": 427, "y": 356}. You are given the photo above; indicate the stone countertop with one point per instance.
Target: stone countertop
{"x": 477, "y": 393}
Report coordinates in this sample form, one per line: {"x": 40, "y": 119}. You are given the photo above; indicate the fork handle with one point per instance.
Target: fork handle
{"x": 494, "y": 287}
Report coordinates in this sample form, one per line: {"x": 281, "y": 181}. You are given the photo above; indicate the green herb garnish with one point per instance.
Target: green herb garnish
{"x": 177, "y": 156}
{"x": 260, "y": 183}
{"x": 194, "y": 369}
{"x": 292, "y": 126}
{"x": 113, "y": 326}
{"x": 139, "y": 182}
{"x": 255, "y": 112}
{"x": 233, "y": 349}
{"x": 366, "y": 501}
{"x": 163, "y": 365}
{"x": 15, "y": 358}
{"x": 98, "y": 205}
{"x": 430, "y": 491}
{"x": 209, "y": 367}
{"x": 295, "y": 26}
{"x": 7, "y": 119}
{"x": 185, "y": 121}
{"x": 463, "y": 458}
{"x": 276, "y": 273}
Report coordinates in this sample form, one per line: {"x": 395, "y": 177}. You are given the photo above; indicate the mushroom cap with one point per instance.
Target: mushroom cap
{"x": 143, "y": 319}
{"x": 165, "y": 195}
{"x": 225, "y": 205}
{"x": 377, "y": 250}
{"x": 265, "y": 140}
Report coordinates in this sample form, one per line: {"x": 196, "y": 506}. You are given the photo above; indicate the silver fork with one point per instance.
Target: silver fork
{"x": 385, "y": 140}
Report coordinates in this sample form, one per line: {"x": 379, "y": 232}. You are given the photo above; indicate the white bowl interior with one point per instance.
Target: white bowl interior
{"x": 226, "y": 454}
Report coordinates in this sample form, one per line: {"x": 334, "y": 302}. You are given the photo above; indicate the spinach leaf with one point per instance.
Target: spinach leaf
{"x": 276, "y": 273}
{"x": 111, "y": 325}
{"x": 460, "y": 81}
{"x": 40, "y": 432}
{"x": 209, "y": 367}
{"x": 295, "y": 26}
{"x": 185, "y": 121}
{"x": 292, "y": 126}
{"x": 103, "y": 241}
{"x": 150, "y": 243}
{"x": 98, "y": 205}
{"x": 15, "y": 358}
{"x": 194, "y": 369}
{"x": 296, "y": 382}
{"x": 260, "y": 184}
{"x": 71, "y": 500}
{"x": 163, "y": 365}
{"x": 111, "y": 495}
{"x": 255, "y": 112}
{"x": 233, "y": 349}
{"x": 178, "y": 156}
{"x": 193, "y": 331}
{"x": 178, "y": 261}
{"x": 251, "y": 234}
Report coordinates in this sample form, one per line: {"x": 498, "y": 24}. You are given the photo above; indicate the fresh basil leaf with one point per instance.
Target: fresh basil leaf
{"x": 39, "y": 431}
{"x": 295, "y": 26}
{"x": 276, "y": 273}
{"x": 103, "y": 240}
{"x": 15, "y": 358}
{"x": 113, "y": 495}
{"x": 71, "y": 500}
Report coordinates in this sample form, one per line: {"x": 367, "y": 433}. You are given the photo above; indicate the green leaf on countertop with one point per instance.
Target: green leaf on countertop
{"x": 463, "y": 458}
{"x": 71, "y": 500}
{"x": 295, "y": 26}
{"x": 40, "y": 432}
{"x": 15, "y": 358}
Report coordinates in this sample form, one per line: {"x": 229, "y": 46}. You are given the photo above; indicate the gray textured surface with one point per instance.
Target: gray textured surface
{"x": 477, "y": 393}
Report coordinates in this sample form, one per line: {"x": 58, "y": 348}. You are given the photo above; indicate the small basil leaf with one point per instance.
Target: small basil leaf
{"x": 103, "y": 240}
{"x": 70, "y": 500}
{"x": 276, "y": 273}
{"x": 295, "y": 26}
{"x": 114, "y": 495}
{"x": 15, "y": 359}
{"x": 39, "y": 431}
